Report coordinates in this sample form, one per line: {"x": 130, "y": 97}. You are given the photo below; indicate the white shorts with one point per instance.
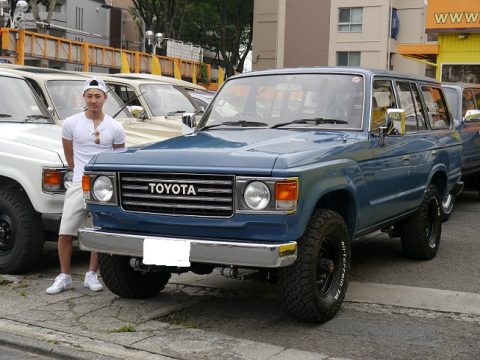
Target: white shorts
{"x": 74, "y": 213}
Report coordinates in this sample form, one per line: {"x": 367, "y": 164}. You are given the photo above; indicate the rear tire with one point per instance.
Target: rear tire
{"x": 21, "y": 232}
{"x": 448, "y": 204}
{"x": 314, "y": 287}
{"x": 421, "y": 232}
{"x": 125, "y": 281}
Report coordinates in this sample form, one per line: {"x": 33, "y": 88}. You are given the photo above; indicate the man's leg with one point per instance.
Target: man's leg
{"x": 65, "y": 246}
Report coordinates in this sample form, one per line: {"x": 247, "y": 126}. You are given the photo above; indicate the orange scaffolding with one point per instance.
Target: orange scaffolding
{"x": 19, "y": 43}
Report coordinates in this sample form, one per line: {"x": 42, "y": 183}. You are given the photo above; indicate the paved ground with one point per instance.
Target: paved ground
{"x": 394, "y": 309}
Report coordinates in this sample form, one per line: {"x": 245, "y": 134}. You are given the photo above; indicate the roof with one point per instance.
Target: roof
{"x": 167, "y": 79}
{"x": 41, "y": 73}
{"x": 460, "y": 85}
{"x": 337, "y": 70}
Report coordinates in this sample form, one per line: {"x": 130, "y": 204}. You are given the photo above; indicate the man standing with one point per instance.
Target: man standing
{"x": 84, "y": 135}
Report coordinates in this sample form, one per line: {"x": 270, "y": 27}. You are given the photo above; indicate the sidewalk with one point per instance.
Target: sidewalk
{"x": 82, "y": 324}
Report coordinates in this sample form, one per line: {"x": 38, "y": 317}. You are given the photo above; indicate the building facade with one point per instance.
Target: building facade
{"x": 292, "y": 33}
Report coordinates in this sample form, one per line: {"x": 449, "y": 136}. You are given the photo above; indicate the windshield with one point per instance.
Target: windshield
{"x": 19, "y": 104}
{"x": 453, "y": 103}
{"x": 165, "y": 99}
{"x": 331, "y": 101}
{"x": 67, "y": 98}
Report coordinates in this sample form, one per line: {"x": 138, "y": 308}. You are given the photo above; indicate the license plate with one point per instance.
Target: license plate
{"x": 166, "y": 252}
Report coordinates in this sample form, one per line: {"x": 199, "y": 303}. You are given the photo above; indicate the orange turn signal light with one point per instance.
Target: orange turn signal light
{"x": 86, "y": 183}
{"x": 52, "y": 178}
{"x": 286, "y": 190}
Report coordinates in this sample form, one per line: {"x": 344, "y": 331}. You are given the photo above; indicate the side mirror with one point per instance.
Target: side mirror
{"x": 137, "y": 111}
{"x": 472, "y": 115}
{"x": 395, "y": 122}
{"x": 189, "y": 123}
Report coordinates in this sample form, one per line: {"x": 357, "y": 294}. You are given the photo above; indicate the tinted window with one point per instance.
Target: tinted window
{"x": 468, "y": 101}
{"x": 436, "y": 107}
{"x": 382, "y": 99}
{"x": 452, "y": 96}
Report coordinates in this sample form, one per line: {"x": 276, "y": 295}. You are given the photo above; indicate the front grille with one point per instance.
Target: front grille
{"x": 178, "y": 194}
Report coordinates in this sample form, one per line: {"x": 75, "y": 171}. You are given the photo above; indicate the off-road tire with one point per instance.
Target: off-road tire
{"x": 309, "y": 292}
{"x": 21, "y": 232}
{"x": 448, "y": 204}
{"x": 123, "y": 280}
{"x": 421, "y": 232}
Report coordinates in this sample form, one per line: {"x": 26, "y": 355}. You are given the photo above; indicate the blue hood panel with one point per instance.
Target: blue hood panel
{"x": 222, "y": 151}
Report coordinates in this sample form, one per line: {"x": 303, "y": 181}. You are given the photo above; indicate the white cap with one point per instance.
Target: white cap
{"x": 94, "y": 83}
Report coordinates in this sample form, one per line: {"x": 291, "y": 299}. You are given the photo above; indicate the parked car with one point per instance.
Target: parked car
{"x": 464, "y": 102}
{"x": 284, "y": 170}
{"x": 33, "y": 175}
{"x": 157, "y": 104}
{"x": 61, "y": 92}
{"x": 200, "y": 95}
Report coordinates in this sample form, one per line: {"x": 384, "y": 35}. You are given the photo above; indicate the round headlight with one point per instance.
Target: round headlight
{"x": 257, "y": 195}
{"x": 103, "y": 188}
{"x": 67, "y": 179}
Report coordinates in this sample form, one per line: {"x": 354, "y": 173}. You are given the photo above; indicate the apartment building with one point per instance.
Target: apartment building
{"x": 292, "y": 33}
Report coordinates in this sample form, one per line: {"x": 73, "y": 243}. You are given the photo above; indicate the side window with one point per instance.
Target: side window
{"x": 382, "y": 99}
{"x": 436, "y": 107}
{"x": 468, "y": 101}
{"x": 38, "y": 90}
{"x": 476, "y": 94}
{"x": 410, "y": 102}
{"x": 125, "y": 93}
{"x": 419, "y": 108}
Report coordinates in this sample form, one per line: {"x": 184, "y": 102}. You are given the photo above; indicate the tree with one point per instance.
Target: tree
{"x": 222, "y": 26}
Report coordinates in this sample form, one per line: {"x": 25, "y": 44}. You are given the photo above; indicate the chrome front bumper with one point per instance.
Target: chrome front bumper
{"x": 202, "y": 251}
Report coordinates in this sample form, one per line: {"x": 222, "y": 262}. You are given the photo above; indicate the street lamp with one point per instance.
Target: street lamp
{"x": 20, "y": 9}
{"x": 158, "y": 37}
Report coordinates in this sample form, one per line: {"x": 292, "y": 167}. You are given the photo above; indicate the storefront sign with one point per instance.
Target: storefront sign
{"x": 453, "y": 16}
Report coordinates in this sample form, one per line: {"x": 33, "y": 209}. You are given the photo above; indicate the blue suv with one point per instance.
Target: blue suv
{"x": 282, "y": 172}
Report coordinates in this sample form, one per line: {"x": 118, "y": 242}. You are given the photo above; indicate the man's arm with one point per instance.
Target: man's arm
{"x": 118, "y": 146}
{"x": 68, "y": 151}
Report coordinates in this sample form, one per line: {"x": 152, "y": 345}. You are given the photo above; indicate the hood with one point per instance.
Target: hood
{"x": 43, "y": 136}
{"x": 241, "y": 151}
{"x": 138, "y": 132}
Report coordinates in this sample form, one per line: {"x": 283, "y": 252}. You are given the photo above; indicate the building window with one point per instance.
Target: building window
{"x": 348, "y": 58}
{"x": 350, "y": 19}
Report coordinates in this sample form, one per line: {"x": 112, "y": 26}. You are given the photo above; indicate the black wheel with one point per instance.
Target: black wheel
{"x": 448, "y": 204}
{"x": 421, "y": 232}
{"x": 313, "y": 287}
{"x": 21, "y": 232}
{"x": 126, "y": 281}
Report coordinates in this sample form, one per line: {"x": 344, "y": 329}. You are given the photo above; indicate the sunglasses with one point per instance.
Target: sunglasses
{"x": 97, "y": 136}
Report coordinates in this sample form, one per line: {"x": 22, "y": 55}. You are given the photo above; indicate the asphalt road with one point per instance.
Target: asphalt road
{"x": 251, "y": 310}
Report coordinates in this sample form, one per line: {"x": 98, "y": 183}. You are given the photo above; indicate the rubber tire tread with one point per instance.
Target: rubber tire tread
{"x": 297, "y": 282}
{"x": 29, "y": 234}
{"x": 412, "y": 230}
{"x": 121, "y": 279}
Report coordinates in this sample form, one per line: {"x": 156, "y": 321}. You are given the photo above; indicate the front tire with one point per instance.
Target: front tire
{"x": 21, "y": 232}
{"x": 421, "y": 232}
{"x": 125, "y": 281}
{"x": 314, "y": 287}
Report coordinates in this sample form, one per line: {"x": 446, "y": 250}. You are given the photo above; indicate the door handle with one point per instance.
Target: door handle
{"x": 434, "y": 154}
{"x": 406, "y": 159}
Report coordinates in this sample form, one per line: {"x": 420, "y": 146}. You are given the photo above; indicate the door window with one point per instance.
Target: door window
{"x": 409, "y": 102}
{"x": 436, "y": 107}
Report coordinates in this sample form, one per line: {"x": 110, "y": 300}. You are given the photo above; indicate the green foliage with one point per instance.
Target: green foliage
{"x": 204, "y": 74}
{"x": 123, "y": 329}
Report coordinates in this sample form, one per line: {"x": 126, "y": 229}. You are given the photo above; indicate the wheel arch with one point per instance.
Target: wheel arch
{"x": 440, "y": 180}
{"x": 342, "y": 201}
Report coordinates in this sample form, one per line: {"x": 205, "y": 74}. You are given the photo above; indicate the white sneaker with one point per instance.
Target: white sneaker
{"x": 91, "y": 281}
{"x": 62, "y": 282}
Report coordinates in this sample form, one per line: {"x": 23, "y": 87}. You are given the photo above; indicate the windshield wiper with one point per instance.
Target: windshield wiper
{"x": 242, "y": 123}
{"x": 176, "y": 112}
{"x": 315, "y": 121}
{"x": 34, "y": 117}
{"x": 5, "y": 115}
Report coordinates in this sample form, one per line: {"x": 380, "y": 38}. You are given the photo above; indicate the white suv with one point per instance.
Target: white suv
{"x": 33, "y": 175}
